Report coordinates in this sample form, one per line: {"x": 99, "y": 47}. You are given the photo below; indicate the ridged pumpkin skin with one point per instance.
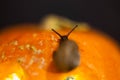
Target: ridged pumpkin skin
{"x": 26, "y": 53}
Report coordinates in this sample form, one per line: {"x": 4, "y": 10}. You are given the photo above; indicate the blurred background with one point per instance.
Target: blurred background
{"x": 101, "y": 14}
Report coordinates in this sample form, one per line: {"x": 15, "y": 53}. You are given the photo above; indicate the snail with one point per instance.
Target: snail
{"x": 67, "y": 56}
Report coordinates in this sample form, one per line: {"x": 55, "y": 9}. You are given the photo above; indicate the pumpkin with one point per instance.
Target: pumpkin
{"x": 26, "y": 54}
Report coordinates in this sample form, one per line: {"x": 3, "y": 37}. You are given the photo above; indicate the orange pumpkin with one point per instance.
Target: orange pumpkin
{"x": 26, "y": 54}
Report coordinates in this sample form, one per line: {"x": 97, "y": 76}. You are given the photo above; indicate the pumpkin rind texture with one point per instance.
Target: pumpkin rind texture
{"x": 26, "y": 54}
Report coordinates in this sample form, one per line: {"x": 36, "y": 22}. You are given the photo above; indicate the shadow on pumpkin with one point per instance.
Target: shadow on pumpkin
{"x": 52, "y": 68}
{"x": 53, "y": 73}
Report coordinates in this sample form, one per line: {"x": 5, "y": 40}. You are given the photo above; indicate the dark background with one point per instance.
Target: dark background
{"x": 101, "y": 14}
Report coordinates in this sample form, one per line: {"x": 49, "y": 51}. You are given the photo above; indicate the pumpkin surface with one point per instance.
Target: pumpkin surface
{"x": 26, "y": 54}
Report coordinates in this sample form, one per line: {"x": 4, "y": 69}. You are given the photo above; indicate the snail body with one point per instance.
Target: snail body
{"x": 67, "y": 56}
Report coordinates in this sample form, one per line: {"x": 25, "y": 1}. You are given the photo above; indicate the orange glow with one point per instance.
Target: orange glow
{"x": 11, "y": 71}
